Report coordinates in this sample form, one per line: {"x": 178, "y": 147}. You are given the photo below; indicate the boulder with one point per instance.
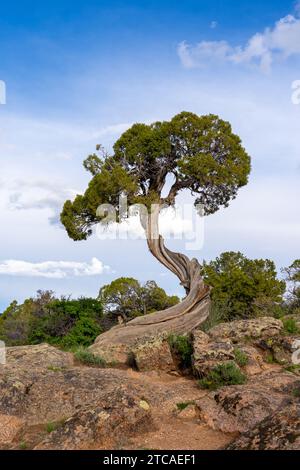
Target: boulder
{"x": 10, "y": 426}
{"x": 279, "y": 431}
{"x": 238, "y": 330}
{"x": 38, "y": 356}
{"x": 84, "y": 407}
{"x": 255, "y": 363}
{"x": 239, "y": 408}
{"x": 206, "y": 356}
{"x": 280, "y": 348}
{"x": 118, "y": 415}
{"x": 153, "y": 353}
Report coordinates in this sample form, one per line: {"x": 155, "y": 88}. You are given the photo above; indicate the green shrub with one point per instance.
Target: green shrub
{"x": 88, "y": 358}
{"x": 62, "y": 322}
{"x": 243, "y": 288}
{"x": 294, "y": 368}
{"x": 50, "y": 427}
{"x": 241, "y": 358}
{"x": 270, "y": 359}
{"x": 55, "y": 369}
{"x": 182, "y": 346}
{"x": 183, "y": 405}
{"x": 296, "y": 392}
{"x": 217, "y": 314}
{"x": 53, "y": 425}
{"x": 221, "y": 375}
{"x": 68, "y": 323}
{"x": 290, "y": 326}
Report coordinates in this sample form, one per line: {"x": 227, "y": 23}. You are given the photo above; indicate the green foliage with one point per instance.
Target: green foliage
{"x": 290, "y": 326}
{"x": 218, "y": 313}
{"x": 200, "y": 152}
{"x": 243, "y": 288}
{"x": 270, "y": 359}
{"x": 183, "y": 405}
{"x": 68, "y": 323}
{"x": 52, "y": 426}
{"x": 296, "y": 392}
{"x": 15, "y": 323}
{"x": 294, "y": 368}
{"x": 55, "y": 369}
{"x": 293, "y": 282}
{"x": 223, "y": 375}
{"x": 182, "y": 346}
{"x": 62, "y": 322}
{"x": 127, "y": 298}
{"x": 84, "y": 356}
{"x": 241, "y": 358}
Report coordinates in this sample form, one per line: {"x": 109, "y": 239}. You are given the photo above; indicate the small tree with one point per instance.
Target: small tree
{"x": 122, "y": 297}
{"x": 202, "y": 155}
{"x": 293, "y": 282}
{"x": 127, "y": 298}
{"x": 243, "y": 288}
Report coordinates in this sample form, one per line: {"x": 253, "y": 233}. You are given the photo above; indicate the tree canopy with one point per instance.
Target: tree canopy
{"x": 243, "y": 288}
{"x": 201, "y": 153}
{"x": 127, "y": 298}
{"x": 293, "y": 281}
{"x": 63, "y": 321}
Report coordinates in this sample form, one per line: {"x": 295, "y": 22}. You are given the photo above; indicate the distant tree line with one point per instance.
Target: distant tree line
{"x": 241, "y": 288}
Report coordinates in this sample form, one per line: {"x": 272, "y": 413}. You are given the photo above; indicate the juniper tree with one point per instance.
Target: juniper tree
{"x": 202, "y": 155}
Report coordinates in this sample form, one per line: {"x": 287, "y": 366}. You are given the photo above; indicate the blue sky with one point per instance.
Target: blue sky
{"x": 79, "y": 73}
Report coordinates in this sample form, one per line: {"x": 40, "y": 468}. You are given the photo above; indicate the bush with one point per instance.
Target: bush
{"x": 243, "y": 288}
{"x": 86, "y": 357}
{"x": 62, "y": 322}
{"x": 218, "y": 313}
{"x": 221, "y": 375}
{"x": 240, "y": 357}
{"x": 290, "y": 326}
{"x": 183, "y": 405}
{"x": 182, "y": 346}
{"x": 125, "y": 297}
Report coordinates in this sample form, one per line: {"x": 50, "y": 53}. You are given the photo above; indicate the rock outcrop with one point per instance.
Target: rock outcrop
{"x": 239, "y": 330}
{"x": 279, "y": 431}
{"x": 50, "y": 401}
{"x": 239, "y": 408}
{"x": 229, "y": 341}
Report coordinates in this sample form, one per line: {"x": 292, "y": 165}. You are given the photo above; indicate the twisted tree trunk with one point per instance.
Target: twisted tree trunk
{"x": 179, "y": 319}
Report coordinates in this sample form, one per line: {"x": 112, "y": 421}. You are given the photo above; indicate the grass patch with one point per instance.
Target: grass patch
{"x": 50, "y": 427}
{"x": 290, "y": 326}
{"x": 23, "y": 445}
{"x": 270, "y": 359}
{"x": 296, "y": 392}
{"x": 55, "y": 369}
{"x": 294, "y": 368}
{"x": 183, "y": 405}
{"x": 86, "y": 357}
{"x": 241, "y": 358}
{"x": 223, "y": 375}
{"x": 182, "y": 346}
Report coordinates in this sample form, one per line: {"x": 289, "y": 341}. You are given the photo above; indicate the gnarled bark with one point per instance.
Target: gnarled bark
{"x": 179, "y": 319}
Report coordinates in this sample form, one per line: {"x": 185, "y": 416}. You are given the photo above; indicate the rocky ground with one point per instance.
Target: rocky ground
{"x": 48, "y": 401}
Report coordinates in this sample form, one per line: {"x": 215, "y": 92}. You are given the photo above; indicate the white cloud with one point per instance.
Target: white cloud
{"x": 38, "y": 194}
{"x": 52, "y": 269}
{"x": 203, "y": 53}
{"x": 281, "y": 41}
